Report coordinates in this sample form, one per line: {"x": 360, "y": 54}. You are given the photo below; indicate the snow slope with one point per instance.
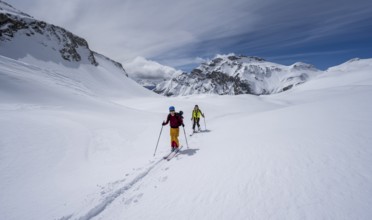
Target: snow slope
{"x": 68, "y": 151}
{"x": 56, "y": 124}
{"x": 302, "y": 154}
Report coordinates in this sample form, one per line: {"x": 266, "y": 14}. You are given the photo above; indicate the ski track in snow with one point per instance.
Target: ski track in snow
{"x": 96, "y": 210}
{"x": 138, "y": 179}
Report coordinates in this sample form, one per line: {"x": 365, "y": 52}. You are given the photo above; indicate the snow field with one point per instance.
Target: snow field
{"x": 301, "y": 154}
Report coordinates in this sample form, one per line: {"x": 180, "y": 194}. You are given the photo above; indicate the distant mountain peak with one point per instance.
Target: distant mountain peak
{"x": 234, "y": 57}
{"x": 238, "y": 74}
{"x": 303, "y": 66}
{"x": 353, "y": 60}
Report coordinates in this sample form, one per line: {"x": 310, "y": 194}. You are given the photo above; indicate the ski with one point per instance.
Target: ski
{"x": 174, "y": 153}
{"x": 194, "y": 132}
{"x": 166, "y": 156}
{"x": 178, "y": 153}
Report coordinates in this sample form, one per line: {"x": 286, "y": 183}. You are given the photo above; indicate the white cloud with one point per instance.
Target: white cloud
{"x": 142, "y": 68}
{"x": 126, "y": 29}
{"x": 174, "y": 32}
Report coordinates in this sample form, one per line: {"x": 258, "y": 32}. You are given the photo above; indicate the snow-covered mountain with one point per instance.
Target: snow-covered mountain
{"x": 47, "y": 53}
{"x": 232, "y": 74}
{"x": 24, "y": 38}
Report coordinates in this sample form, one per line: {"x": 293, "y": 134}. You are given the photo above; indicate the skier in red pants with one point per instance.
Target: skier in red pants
{"x": 175, "y": 120}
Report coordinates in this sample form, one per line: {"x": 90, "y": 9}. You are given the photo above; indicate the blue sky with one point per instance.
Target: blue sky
{"x": 183, "y": 33}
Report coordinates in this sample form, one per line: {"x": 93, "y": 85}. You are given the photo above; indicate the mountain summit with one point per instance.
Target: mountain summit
{"x": 40, "y": 62}
{"x": 23, "y": 37}
{"x": 237, "y": 74}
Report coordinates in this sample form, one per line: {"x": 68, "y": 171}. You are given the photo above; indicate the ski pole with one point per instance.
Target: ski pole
{"x": 205, "y": 124}
{"x": 185, "y": 137}
{"x": 158, "y": 139}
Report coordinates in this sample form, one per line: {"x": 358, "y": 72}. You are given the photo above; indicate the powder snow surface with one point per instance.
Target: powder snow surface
{"x": 75, "y": 144}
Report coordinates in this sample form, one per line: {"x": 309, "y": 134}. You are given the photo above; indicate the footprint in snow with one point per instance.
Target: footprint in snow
{"x": 134, "y": 199}
{"x": 138, "y": 197}
{"x": 163, "y": 179}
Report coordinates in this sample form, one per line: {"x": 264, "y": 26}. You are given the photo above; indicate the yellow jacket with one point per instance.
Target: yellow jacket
{"x": 197, "y": 114}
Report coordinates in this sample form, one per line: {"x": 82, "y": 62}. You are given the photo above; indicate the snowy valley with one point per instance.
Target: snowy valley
{"x": 77, "y": 140}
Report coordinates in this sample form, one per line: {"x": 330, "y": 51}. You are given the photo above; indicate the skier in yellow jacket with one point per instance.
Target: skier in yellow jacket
{"x": 196, "y": 114}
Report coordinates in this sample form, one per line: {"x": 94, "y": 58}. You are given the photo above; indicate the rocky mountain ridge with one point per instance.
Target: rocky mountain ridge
{"x": 22, "y": 35}
{"x": 238, "y": 74}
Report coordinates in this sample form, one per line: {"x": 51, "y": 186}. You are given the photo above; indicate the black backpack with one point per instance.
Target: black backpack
{"x": 179, "y": 116}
